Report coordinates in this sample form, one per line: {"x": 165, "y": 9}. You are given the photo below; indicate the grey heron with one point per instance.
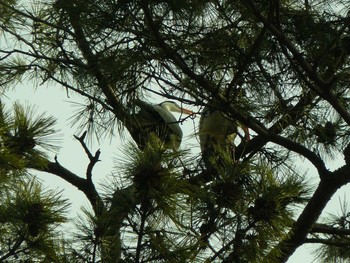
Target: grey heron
{"x": 157, "y": 119}
{"x": 217, "y": 130}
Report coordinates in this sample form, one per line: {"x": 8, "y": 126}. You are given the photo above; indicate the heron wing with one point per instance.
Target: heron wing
{"x": 153, "y": 118}
{"x": 170, "y": 120}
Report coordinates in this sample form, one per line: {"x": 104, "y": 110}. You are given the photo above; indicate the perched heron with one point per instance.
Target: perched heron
{"x": 217, "y": 130}
{"x": 158, "y": 119}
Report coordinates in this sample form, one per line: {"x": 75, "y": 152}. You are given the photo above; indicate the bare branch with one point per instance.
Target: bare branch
{"x": 84, "y": 185}
{"x": 93, "y": 158}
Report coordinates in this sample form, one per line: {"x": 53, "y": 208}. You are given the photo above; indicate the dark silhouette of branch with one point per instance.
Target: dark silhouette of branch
{"x": 93, "y": 158}
{"x": 300, "y": 149}
{"x": 321, "y": 88}
{"x": 328, "y": 185}
{"x": 141, "y": 233}
{"x": 84, "y": 185}
{"x": 93, "y": 64}
{"x": 174, "y": 55}
{"x": 335, "y": 243}
{"x": 325, "y": 229}
{"x": 14, "y": 249}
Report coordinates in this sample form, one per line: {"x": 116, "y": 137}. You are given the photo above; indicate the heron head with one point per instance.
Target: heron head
{"x": 174, "y": 107}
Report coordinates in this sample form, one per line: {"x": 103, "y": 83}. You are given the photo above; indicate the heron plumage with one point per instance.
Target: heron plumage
{"x": 158, "y": 119}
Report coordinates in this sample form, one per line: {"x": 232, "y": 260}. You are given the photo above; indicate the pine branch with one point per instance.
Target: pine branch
{"x": 32, "y": 17}
{"x": 78, "y": 91}
{"x": 327, "y": 242}
{"x": 93, "y": 64}
{"x": 328, "y": 185}
{"x": 84, "y": 185}
{"x": 174, "y": 55}
{"x": 236, "y": 254}
{"x": 321, "y": 88}
{"x": 236, "y": 242}
{"x": 14, "y": 249}
{"x": 93, "y": 158}
{"x": 300, "y": 149}
{"x": 325, "y": 229}
{"x": 141, "y": 233}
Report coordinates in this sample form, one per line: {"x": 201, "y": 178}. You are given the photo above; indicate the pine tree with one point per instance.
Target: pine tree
{"x": 287, "y": 60}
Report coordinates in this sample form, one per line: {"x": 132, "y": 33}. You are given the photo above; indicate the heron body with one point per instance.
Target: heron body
{"x": 157, "y": 119}
{"x": 215, "y": 128}
{"x": 217, "y": 131}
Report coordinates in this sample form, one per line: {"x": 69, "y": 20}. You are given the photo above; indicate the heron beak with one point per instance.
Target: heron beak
{"x": 186, "y": 111}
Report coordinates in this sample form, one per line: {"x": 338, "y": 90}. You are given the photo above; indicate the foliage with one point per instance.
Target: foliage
{"x": 29, "y": 218}
{"x": 280, "y": 68}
